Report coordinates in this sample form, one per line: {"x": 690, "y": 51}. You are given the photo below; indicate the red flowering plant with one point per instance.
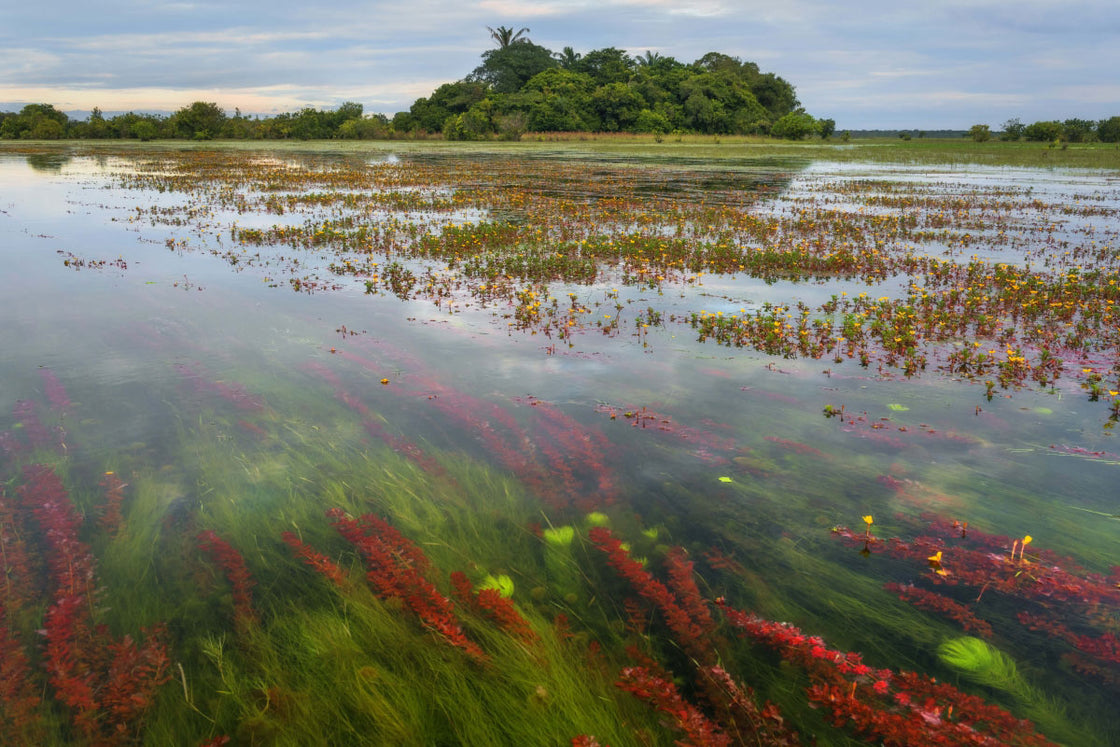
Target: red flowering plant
{"x": 236, "y": 572}
{"x": 687, "y": 615}
{"x": 896, "y": 709}
{"x": 492, "y": 604}
{"x": 395, "y": 569}
{"x": 106, "y": 683}
{"x": 1052, "y": 594}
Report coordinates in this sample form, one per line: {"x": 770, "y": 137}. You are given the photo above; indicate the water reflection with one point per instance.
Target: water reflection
{"x": 50, "y": 163}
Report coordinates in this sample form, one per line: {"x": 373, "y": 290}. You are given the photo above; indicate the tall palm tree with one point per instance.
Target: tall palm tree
{"x": 506, "y": 36}
{"x": 568, "y": 58}
{"x": 649, "y": 59}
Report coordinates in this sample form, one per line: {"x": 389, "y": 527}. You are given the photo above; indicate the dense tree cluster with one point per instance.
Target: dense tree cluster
{"x": 1068, "y": 131}
{"x": 521, "y": 86}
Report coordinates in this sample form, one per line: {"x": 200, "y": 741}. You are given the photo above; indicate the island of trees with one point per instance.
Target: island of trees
{"x": 524, "y": 87}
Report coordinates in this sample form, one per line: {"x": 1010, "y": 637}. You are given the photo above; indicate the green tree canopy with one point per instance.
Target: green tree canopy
{"x": 506, "y": 69}
{"x": 794, "y": 126}
{"x": 35, "y": 122}
{"x": 1012, "y": 130}
{"x": 1079, "y": 130}
{"x": 199, "y": 121}
{"x": 608, "y": 65}
{"x": 980, "y": 133}
{"x": 1108, "y": 130}
{"x": 430, "y": 113}
{"x": 1043, "y": 131}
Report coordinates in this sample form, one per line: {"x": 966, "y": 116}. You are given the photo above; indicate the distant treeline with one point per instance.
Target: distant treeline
{"x": 1050, "y": 131}
{"x": 519, "y": 87}
{"x": 199, "y": 121}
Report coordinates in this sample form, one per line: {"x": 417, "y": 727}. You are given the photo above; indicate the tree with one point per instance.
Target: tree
{"x": 1012, "y": 130}
{"x": 1108, "y": 130}
{"x": 144, "y": 130}
{"x": 199, "y": 121}
{"x": 827, "y": 127}
{"x": 794, "y": 126}
{"x": 1043, "y": 132}
{"x": 430, "y": 113}
{"x": 373, "y": 127}
{"x": 607, "y": 66}
{"x": 617, "y": 106}
{"x": 506, "y": 36}
{"x": 507, "y": 68}
{"x": 1079, "y": 130}
{"x": 654, "y": 122}
{"x": 35, "y": 121}
{"x": 980, "y": 133}
{"x": 568, "y": 58}
{"x": 561, "y": 102}
{"x": 776, "y": 94}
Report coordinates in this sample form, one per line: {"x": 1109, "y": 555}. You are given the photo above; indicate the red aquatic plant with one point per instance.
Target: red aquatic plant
{"x": 1105, "y": 648}
{"x": 107, "y": 684}
{"x": 38, "y": 436}
{"x": 689, "y": 633}
{"x": 931, "y": 601}
{"x": 587, "y": 740}
{"x": 55, "y": 391}
{"x": 236, "y": 572}
{"x": 315, "y": 559}
{"x": 19, "y": 698}
{"x": 898, "y": 709}
{"x": 738, "y": 707}
{"x": 395, "y": 569}
{"x": 374, "y": 427}
{"x": 134, "y": 674}
{"x": 683, "y": 584}
{"x": 492, "y": 604}
{"x": 111, "y": 517}
{"x": 661, "y": 693}
{"x": 234, "y": 394}
{"x": 1050, "y": 587}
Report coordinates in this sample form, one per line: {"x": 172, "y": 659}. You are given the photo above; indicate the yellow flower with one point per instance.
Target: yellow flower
{"x": 868, "y": 520}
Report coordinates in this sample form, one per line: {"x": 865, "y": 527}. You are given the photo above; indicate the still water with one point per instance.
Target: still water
{"x": 246, "y": 341}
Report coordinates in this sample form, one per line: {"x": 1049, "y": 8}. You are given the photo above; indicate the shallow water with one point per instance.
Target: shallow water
{"x": 211, "y": 383}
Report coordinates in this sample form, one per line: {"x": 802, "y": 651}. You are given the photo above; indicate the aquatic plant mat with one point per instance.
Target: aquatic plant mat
{"x": 539, "y": 446}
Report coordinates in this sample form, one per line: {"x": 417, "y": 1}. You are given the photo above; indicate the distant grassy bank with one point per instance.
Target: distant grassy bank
{"x": 1104, "y": 156}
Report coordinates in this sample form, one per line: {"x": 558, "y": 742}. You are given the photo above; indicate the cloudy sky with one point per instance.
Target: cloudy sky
{"x": 865, "y": 63}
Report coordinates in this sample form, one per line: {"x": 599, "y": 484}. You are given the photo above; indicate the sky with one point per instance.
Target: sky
{"x": 867, "y": 64}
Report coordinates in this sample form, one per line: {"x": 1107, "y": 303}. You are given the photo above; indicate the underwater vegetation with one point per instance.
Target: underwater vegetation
{"x": 564, "y": 629}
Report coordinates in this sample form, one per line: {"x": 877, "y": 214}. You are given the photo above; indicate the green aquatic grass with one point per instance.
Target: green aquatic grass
{"x": 984, "y": 664}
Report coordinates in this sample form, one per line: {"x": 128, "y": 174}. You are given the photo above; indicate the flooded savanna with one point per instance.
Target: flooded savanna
{"x": 398, "y": 444}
